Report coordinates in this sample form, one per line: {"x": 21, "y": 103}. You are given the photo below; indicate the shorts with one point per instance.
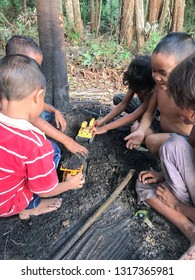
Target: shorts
{"x": 47, "y": 116}
{"x": 146, "y": 191}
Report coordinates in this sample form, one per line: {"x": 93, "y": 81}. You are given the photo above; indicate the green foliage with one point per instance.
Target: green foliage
{"x": 25, "y": 24}
{"x": 11, "y": 8}
{"x": 151, "y": 42}
{"x": 4, "y": 3}
{"x": 103, "y": 53}
{"x": 189, "y": 19}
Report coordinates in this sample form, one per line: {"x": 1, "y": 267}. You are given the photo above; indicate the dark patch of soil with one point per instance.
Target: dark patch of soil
{"x": 117, "y": 233}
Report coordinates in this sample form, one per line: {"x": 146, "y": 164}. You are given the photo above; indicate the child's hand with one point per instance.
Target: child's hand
{"x": 99, "y": 130}
{"x": 75, "y": 182}
{"x": 134, "y": 139}
{"x": 60, "y": 121}
{"x": 74, "y": 147}
{"x": 99, "y": 123}
{"x": 149, "y": 177}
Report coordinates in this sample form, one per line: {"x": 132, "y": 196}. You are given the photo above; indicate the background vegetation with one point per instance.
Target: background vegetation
{"x": 91, "y": 48}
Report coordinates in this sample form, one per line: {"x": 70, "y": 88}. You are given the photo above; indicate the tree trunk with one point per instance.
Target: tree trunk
{"x": 111, "y": 12}
{"x": 178, "y": 15}
{"x": 51, "y": 37}
{"x": 92, "y": 16}
{"x": 69, "y": 12}
{"x": 164, "y": 14}
{"x": 77, "y": 18}
{"x": 126, "y": 22}
{"x": 96, "y": 13}
{"x": 154, "y": 10}
{"x": 84, "y": 14}
{"x": 24, "y": 7}
{"x": 139, "y": 13}
{"x": 99, "y": 18}
{"x": 146, "y": 10}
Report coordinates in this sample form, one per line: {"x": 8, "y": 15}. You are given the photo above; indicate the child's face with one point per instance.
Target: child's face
{"x": 162, "y": 65}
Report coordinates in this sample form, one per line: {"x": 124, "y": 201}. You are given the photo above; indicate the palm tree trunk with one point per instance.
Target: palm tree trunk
{"x": 51, "y": 38}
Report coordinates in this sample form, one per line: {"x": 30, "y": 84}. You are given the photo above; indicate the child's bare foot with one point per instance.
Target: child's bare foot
{"x": 45, "y": 206}
{"x": 167, "y": 197}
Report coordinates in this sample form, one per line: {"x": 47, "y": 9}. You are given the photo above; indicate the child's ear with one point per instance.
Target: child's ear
{"x": 39, "y": 94}
{"x": 193, "y": 116}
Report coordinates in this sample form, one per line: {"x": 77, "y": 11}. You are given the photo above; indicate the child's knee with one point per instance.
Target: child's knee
{"x": 152, "y": 144}
{"x": 118, "y": 98}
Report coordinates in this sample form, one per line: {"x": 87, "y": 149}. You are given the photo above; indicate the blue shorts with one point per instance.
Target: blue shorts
{"x": 47, "y": 116}
{"x": 35, "y": 202}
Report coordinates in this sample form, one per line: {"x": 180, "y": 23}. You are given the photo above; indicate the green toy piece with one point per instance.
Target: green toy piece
{"x": 144, "y": 214}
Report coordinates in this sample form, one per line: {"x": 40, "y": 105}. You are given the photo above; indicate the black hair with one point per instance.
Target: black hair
{"x": 139, "y": 74}
{"x": 179, "y": 44}
{"x": 20, "y": 75}
{"x": 181, "y": 83}
{"x": 20, "y": 44}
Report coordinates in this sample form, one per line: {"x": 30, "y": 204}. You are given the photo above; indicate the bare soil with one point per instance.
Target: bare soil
{"x": 116, "y": 233}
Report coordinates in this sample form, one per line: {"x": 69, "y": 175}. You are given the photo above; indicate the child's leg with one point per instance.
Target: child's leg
{"x": 178, "y": 163}
{"x": 175, "y": 217}
{"x": 154, "y": 141}
{"x": 133, "y": 105}
{"x": 44, "y": 206}
{"x": 185, "y": 225}
{"x": 146, "y": 194}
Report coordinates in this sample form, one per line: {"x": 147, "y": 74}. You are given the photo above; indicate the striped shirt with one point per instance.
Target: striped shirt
{"x": 26, "y": 165}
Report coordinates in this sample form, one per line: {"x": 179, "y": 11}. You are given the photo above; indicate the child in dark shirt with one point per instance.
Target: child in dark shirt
{"x": 138, "y": 78}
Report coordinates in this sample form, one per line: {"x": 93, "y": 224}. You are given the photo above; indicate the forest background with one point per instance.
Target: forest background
{"x": 100, "y": 36}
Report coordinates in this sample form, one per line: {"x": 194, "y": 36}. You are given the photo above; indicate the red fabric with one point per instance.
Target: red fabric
{"x": 26, "y": 167}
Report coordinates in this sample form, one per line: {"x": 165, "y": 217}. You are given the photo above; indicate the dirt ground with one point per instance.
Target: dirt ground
{"x": 116, "y": 233}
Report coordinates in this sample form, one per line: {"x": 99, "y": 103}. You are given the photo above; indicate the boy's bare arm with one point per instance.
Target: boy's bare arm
{"x": 129, "y": 118}
{"x": 135, "y": 139}
{"x": 148, "y": 116}
{"x": 117, "y": 109}
{"x": 71, "y": 182}
{"x": 59, "y": 136}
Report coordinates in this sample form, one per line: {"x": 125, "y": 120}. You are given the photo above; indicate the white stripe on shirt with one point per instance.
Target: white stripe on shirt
{"x": 41, "y": 175}
{"x": 37, "y": 158}
{"x": 13, "y": 153}
{"x": 38, "y": 142}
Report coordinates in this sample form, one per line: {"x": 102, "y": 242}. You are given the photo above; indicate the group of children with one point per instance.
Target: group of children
{"x": 170, "y": 192}
{"x": 163, "y": 83}
{"x": 28, "y": 159}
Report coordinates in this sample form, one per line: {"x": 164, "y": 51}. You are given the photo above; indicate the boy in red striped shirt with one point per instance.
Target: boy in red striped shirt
{"x": 27, "y": 170}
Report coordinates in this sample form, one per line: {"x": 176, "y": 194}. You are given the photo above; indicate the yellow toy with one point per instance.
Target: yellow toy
{"x": 85, "y": 132}
{"x": 75, "y": 163}
{"x": 72, "y": 172}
